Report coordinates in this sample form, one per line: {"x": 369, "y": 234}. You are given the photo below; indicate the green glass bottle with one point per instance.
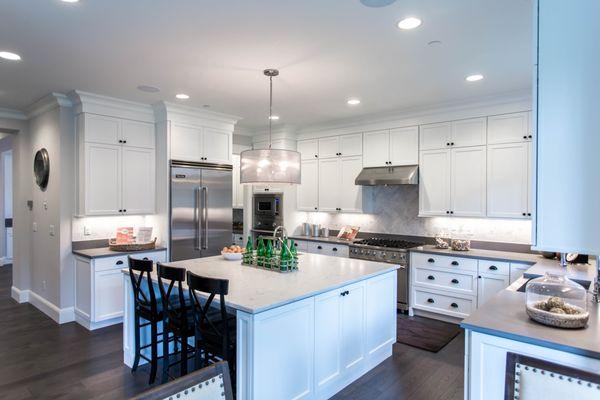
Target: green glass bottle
{"x": 293, "y": 249}
{"x": 260, "y": 251}
{"x": 249, "y": 249}
{"x": 269, "y": 254}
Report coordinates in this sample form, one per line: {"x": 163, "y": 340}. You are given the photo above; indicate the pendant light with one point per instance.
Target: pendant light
{"x": 270, "y": 166}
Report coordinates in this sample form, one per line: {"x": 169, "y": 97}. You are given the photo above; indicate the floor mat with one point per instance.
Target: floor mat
{"x": 425, "y": 333}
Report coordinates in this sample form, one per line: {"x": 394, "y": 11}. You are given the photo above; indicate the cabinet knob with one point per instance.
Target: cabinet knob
{"x": 431, "y": 278}
{"x": 120, "y": 210}
{"x": 119, "y": 262}
{"x": 124, "y": 141}
{"x": 529, "y": 214}
{"x": 493, "y": 268}
{"x": 455, "y": 281}
{"x": 454, "y": 305}
{"x": 316, "y": 208}
{"x": 454, "y": 263}
{"x": 451, "y": 212}
{"x": 447, "y": 212}
{"x": 431, "y": 260}
{"x": 316, "y": 156}
{"x": 525, "y": 137}
{"x": 530, "y": 136}
{"x": 120, "y": 141}
{"x": 524, "y": 214}
{"x": 448, "y": 144}
{"x": 451, "y": 143}
{"x": 320, "y": 247}
{"x": 124, "y": 211}
{"x": 430, "y": 301}
{"x": 334, "y": 249}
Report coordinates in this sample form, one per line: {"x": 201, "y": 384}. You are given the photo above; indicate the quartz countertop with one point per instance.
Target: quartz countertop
{"x": 331, "y": 239}
{"x": 255, "y": 290}
{"x": 106, "y": 252}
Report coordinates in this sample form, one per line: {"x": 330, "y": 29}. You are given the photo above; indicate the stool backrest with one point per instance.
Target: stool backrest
{"x": 168, "y": 277}
{"x": 140, "y": 270}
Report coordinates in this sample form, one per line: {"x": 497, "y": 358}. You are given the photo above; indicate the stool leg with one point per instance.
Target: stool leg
{"x": 136, "y": 360}
{"x": 184, "y": 355}
{"x": 166, "y": 358}
{"x": 154, "y": 352}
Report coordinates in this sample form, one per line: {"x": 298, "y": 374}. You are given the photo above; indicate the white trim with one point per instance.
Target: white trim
{"x": 59, "y": 315}
{"x": 48, "y": 103}
{"x": 5, "y": 261}
{"x": 12, "y": 114}
{"x": 85, "y": 102}
{"x": 82, "y": 319}
{"x": 20, "y": 296}
{"x": 165, "y": 111}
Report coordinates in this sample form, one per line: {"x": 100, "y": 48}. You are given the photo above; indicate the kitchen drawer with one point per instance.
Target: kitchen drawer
{"x": 452, "y": 281}
{"x": 119, "y": 262}
{"x": 494, "y": 267}
{"x": 301, "y": 245}
{"x": 328, "y": 249}
{"x": 435, "y": 260}
{"x": 432, "y": 301}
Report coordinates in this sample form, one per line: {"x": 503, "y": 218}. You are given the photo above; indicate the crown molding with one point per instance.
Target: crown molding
{"x": 285, "y": 131}
{"x": 418, "y": 115}
{"x": 85, "y": 102}
{"x": 47, "y": 103}
{"x": 165, "y": 111}
{"x": 12, "y": 114}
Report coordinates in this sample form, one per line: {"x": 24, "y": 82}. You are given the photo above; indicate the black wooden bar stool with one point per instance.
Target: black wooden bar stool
{"x": 215, "y": 329}
{"x": 178, "y": 323}
{"x": 146, "y": 307}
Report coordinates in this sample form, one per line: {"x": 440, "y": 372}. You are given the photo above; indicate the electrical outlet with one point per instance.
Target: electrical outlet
{"x": 51, "y": 230}
{"x": 34, "y": 226}
{"x": 87, "y": 231}
{"x": 45, "y": 203}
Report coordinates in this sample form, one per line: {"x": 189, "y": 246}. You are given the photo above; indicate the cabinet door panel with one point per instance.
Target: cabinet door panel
{"x": 376, "y": 148}
{"x": 329, "y": 147}
{"x": 108, "y": 295}
{"x": 186, "y": 143}
{"x": 138, "y": 181}
{"x": 350, "y": 195}
{"x": 102, "y": 179}
{"x": 138, "y": 134}
{"x": 469, "y": 132}
{"x": 101, "y": 129}
{"x": 308, "y": 149}
{"x": 507, "y": 180}
{"x": 434, "y": 182}
{"x": 216, "y": 146}
{"x": 327, "y": 339}
{"x": 468, "y": 188}
{"x": 329, "y": 184}
{"x": 435, "y": 136}
{"x": 404, "y": 146}
{"x": 308, "y": 190}
{"x": 488, "y": 285}
{"x": 353, "y": 326}
{"x": 381, "y": 312}
{"x": 351, "y": 145}
{"x": 508, "y": 128}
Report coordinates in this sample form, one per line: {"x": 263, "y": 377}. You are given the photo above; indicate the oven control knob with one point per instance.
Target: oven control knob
{"x": 382, "y": 255}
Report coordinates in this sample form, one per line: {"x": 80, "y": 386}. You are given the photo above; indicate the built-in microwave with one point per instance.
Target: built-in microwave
{"x": 267, "y": 204}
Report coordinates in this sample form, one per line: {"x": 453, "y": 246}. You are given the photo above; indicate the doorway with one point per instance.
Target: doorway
{"x": 6, "y": 198}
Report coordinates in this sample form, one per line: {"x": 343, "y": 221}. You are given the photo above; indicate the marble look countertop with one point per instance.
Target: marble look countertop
{"x": 255, "y": 290}
{"x": 331, "y": 239}
{"x": 106, "y": 252}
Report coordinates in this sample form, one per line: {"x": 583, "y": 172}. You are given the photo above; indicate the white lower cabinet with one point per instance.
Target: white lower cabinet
{"x": 99, "y": 288}
{"x": 328, "y": 249}
{"x": 488, "y": 285}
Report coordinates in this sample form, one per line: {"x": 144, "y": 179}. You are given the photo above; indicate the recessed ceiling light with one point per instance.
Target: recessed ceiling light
{"x": 148, "y": 89}
{"x": 182, "y": 96}
{"x": 474, "y": 78}
{"x": 409, "y": 23}
{"x": 70, "y": 1}
{"x": 274, "y": 117}
{"x": 353, "y": 102}
{"x": 7, "y": 55}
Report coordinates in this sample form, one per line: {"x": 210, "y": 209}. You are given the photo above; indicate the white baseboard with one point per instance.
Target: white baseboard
{"x": 84, "y": 321}
{"x": 4, "y": 261}
{"x": 60, "y": 315}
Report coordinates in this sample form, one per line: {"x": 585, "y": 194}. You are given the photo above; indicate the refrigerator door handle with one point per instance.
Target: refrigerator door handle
{"x": 197, "y": 219}
{"x": 205, "y": 216}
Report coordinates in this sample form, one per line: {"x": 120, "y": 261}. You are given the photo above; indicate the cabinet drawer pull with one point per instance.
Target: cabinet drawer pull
{"x": 454, "y": 263}
{"x": 455, "y": 281}
{"x": 431, "y": 278}
{"x": 320, "y": 247}
{"x": 431, "y": 260}
{"x": 454, "y": 305}
{"x": 334, "y": 249}
{"x": 119, "y": 262}
{"x": 430, "y": 301}
{"x": 493, "y": 268}
{"x": 345, "y": 293}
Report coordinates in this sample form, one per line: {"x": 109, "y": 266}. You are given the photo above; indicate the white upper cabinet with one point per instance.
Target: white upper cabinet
{"x": 138, "y": 181}
{"x": 509, "y": 128}
{"x": 308, "y": 149}
{"x": 351, "y": 145}
{"x": 468, "y": 187}
{"x": 192, "y": 143}
{"x": 101, "y": 183}
{"x": 329, "y": 147}
{"x": 308, "y": 190}
{"x": 508, "y": 180}
{"x": 329, "y": 184}
{"x": 434, "y": 185}
{"x": 435, "y": 136}
{"x": 376, "y": 148}
{"x": 138, "y": 134}
{"x": 350, "y": 195}
{"x": 100, "y": 129}
{"x": 237, "y": 187}
{"x": 404, "y": 146}
{"x": 469, "y": 132}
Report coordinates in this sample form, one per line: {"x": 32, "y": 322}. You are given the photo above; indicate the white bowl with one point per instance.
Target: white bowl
{"x": 232, "y": 256}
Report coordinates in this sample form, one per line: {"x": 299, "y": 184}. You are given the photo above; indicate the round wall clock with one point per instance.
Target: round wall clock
{"x": 41, "y": 168}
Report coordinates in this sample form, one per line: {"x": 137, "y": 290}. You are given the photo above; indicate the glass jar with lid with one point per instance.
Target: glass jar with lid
{"x": 556, "y": 300}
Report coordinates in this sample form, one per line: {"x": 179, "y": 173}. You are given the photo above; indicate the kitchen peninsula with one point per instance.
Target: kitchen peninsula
{"x": 305, "y": 334}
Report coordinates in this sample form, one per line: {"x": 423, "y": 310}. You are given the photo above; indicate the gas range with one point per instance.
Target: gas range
{"x": 391, "y": 251}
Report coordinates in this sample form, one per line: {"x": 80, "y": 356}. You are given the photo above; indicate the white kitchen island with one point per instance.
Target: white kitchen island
{"x": 300, "y": 335}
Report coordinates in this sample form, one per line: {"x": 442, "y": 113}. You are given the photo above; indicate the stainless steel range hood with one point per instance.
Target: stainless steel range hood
{"x": 375, "y": 176}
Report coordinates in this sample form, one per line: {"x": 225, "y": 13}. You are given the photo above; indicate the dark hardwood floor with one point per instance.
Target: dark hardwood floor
{"x": 43, "y": 360}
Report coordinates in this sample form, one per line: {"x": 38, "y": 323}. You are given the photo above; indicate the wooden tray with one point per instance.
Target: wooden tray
{"x": 132, "y": 246}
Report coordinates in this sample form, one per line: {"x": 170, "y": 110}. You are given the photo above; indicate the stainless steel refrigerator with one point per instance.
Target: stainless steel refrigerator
{"x": 201, "y": 209}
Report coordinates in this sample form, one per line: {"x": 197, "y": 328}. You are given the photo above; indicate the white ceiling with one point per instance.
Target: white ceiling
{"x": 215, "y": 51}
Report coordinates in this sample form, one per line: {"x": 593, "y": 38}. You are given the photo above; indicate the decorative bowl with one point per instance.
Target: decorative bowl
{"x": 232, "y": 256}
